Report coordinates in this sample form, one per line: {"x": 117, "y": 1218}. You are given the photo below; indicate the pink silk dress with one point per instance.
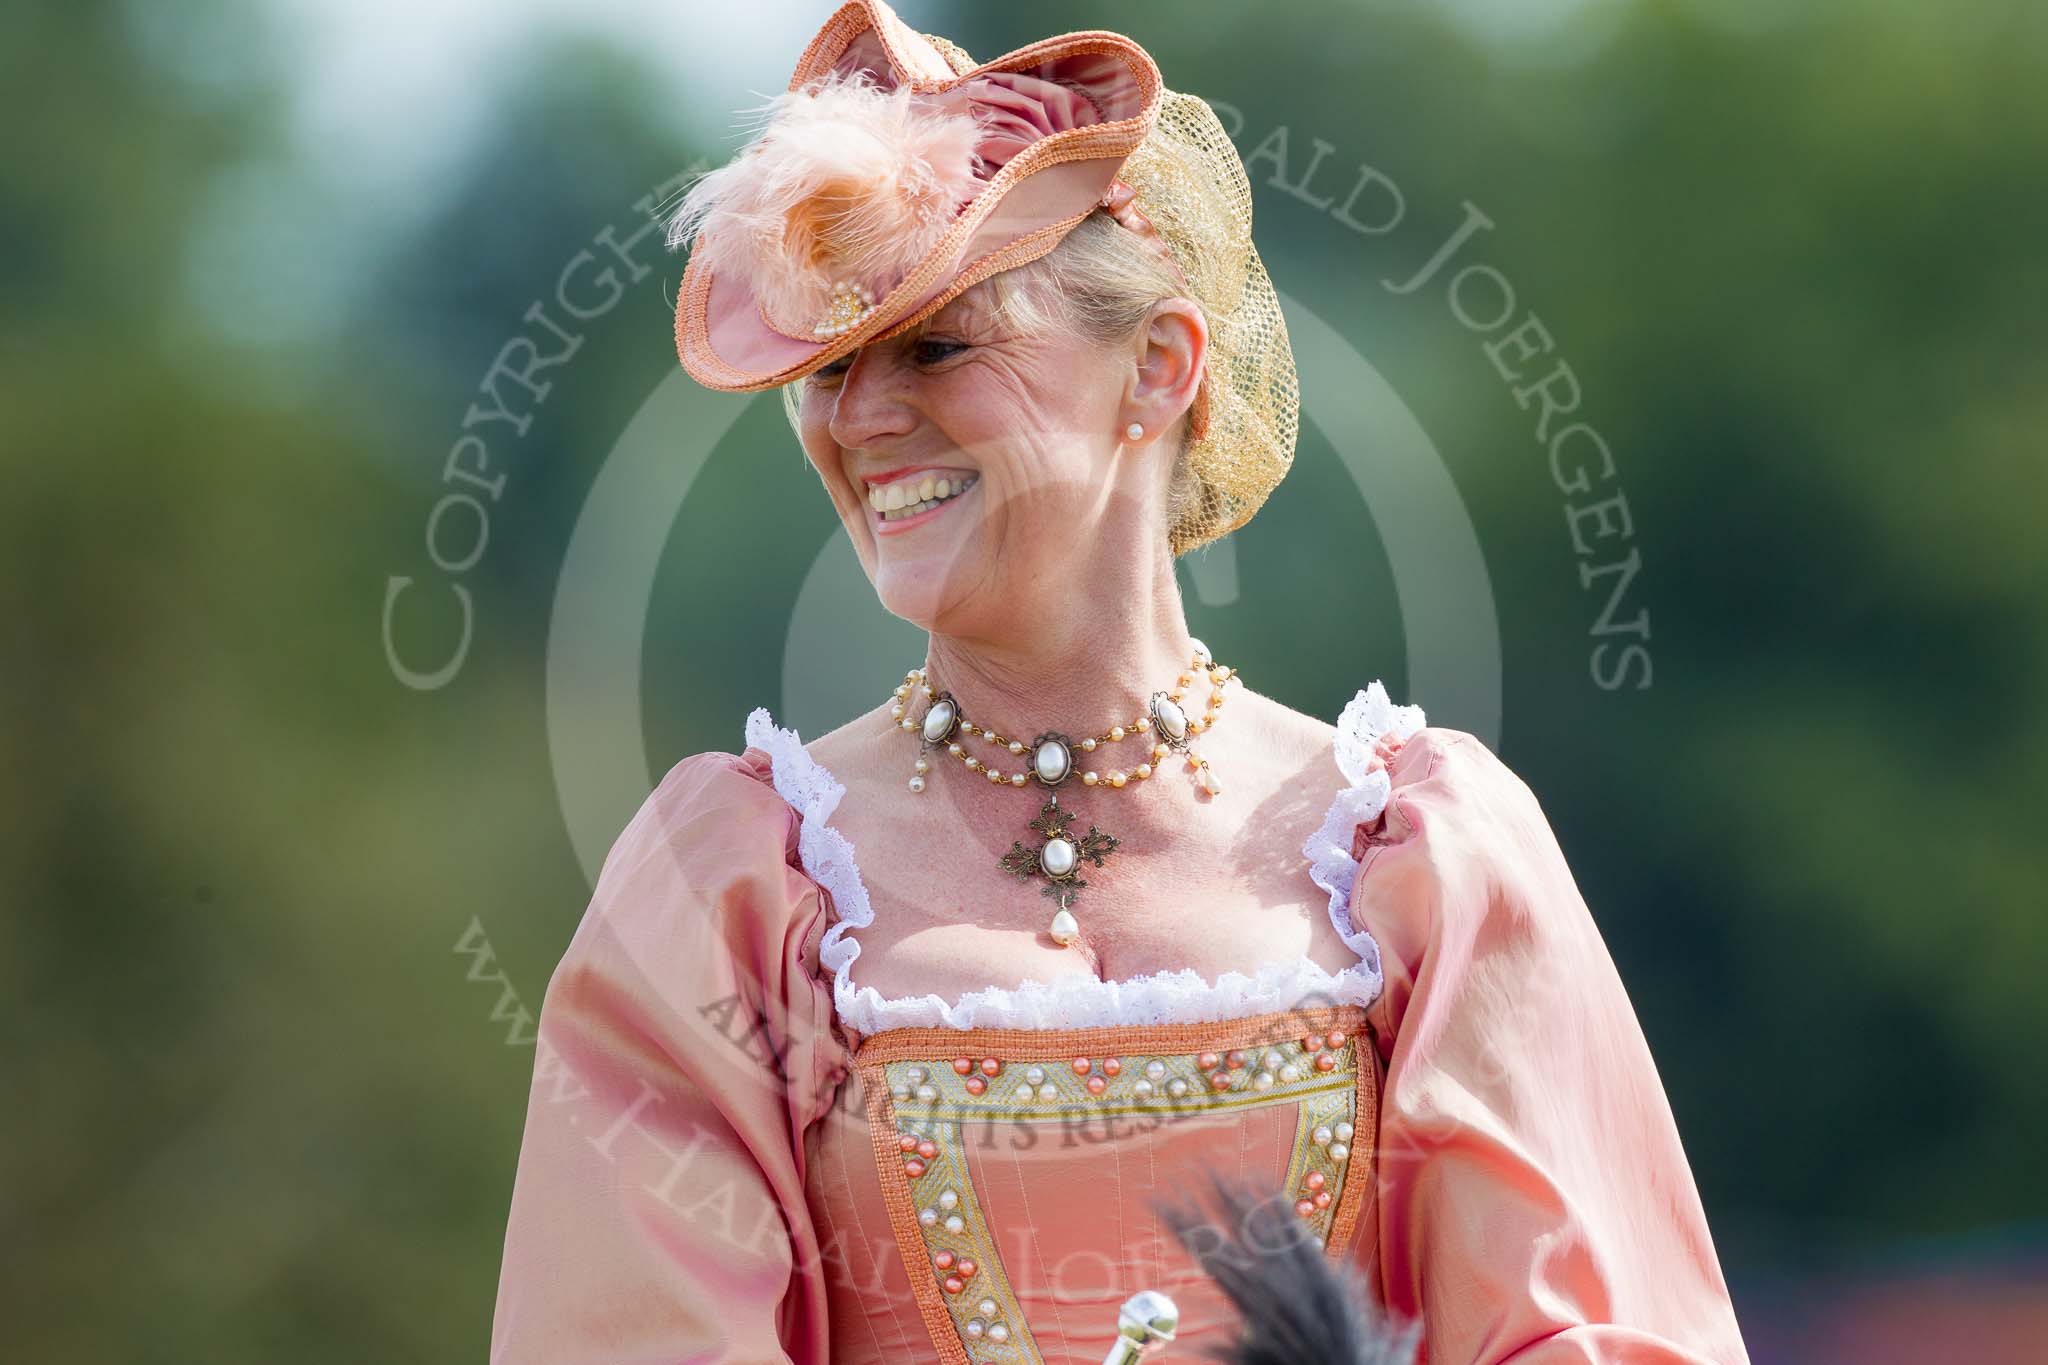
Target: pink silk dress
{"x": 736, "y": 1154}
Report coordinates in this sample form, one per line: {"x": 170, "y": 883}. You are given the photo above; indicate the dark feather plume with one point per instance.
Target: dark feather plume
{"x": 1299, "y": 1308}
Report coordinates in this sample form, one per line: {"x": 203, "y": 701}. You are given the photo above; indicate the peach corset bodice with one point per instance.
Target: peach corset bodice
{"x": 992, "y": 1195}
{"x": 987, "y": 1185}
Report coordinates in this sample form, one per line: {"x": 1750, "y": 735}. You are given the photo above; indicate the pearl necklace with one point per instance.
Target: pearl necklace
{"x": 1059, "y": 855}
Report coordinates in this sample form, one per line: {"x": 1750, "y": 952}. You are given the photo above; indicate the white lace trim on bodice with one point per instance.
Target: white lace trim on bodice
{"x": 1168, "y": 997}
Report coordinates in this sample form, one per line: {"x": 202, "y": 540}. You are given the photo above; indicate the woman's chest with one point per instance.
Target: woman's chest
{"x": 955, "y": 911}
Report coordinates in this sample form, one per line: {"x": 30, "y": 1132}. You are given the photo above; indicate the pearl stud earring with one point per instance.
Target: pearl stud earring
{"x": 1134, "y": 431}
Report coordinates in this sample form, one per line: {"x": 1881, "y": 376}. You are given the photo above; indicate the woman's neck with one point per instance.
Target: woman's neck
{"x": 1090, "y": 664}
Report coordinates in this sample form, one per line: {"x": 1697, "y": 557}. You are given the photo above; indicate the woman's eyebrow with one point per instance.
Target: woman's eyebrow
{"x": 970, "y": 318}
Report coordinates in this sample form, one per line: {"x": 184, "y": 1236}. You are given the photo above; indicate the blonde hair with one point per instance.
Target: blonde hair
{"x": 1100, "y": 282}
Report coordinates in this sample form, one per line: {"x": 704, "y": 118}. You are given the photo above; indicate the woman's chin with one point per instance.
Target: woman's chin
{"x": 917, "y": 578}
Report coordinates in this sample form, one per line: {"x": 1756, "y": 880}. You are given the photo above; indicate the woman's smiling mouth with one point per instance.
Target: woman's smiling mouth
{"x": 915, "y": 498}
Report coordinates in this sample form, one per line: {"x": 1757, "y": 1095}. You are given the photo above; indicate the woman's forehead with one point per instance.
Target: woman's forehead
{"x": 975, "y": 305}
{"x": 978, "y": 300}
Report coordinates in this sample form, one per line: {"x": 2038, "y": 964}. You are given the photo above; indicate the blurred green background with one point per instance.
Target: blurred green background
{"x": 258, "y": 261}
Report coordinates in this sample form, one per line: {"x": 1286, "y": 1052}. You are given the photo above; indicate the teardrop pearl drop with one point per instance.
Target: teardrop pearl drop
{"x": 1065, "y": 928}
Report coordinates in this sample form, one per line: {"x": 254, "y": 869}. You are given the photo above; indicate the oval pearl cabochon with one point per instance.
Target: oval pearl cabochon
{"x": 1052, "y": 761}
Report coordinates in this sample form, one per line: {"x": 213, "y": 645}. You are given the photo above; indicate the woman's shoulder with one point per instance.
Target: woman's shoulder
{"x": 707, "y": 790}
{"x": 1403, "y": 779}
{"x": 1453, "y": 773}
{"x": 1363, "y": 738}
{"x": 1463, "y": 836}
{"x": 1375, "y": 733}
{"x": 774, "y": 777}
{"x": 856, "y": 742}
{"x": 713, "y": 840}
{"x": 702, "y": 925}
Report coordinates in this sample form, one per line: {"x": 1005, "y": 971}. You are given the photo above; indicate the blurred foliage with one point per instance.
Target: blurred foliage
{"x": 1793, "y": 254}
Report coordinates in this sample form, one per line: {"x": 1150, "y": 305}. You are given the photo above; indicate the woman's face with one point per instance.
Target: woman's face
{"x": 1022, "y": 430}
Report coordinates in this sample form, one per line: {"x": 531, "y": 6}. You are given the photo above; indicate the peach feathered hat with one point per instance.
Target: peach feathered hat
{"x": 895, "y": 173}
{"x": 887, "y": 182}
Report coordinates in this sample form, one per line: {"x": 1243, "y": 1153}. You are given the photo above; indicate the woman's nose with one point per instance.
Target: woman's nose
{"x": 868, "y": 406}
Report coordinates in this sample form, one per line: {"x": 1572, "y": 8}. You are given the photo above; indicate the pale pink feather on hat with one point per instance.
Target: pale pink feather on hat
{"x": 847, "y": 182}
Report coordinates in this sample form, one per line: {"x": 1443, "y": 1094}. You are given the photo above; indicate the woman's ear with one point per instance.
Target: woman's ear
{"x": 1172, "y": 352}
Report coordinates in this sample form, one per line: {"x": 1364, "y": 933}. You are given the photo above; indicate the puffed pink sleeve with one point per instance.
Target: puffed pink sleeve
{"x": 1534, "y": 1202}
{"x": 658, "y": 1213}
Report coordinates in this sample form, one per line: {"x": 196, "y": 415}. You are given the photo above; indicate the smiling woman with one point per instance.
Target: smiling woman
{"x": 1019, "y": 394}
{"x": 835, "y": 1004}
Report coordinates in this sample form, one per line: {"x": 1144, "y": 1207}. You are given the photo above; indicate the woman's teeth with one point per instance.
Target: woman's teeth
{"x": 910, "y": 496}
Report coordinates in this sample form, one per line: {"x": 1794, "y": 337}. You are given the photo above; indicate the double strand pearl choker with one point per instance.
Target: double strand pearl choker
{"x": 1060, "y": 853}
